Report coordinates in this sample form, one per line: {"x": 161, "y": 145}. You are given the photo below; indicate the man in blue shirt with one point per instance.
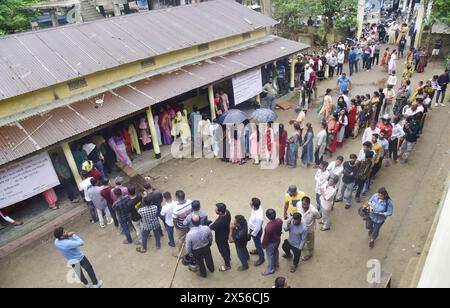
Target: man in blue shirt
{"x": 380, "y": 208}
{"x": 69, "y": 244}
{"x": 343, "y": 83}
{"x": 352, "y": 58}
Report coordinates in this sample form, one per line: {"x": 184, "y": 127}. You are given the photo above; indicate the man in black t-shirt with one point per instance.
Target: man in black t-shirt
{"x": 134, "y": 203}
{"x": 221, "y": 227}
{"x": 348, "y": 181}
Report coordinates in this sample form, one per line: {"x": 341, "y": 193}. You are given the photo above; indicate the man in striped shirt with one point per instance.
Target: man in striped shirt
{"x": 180, "y": 212}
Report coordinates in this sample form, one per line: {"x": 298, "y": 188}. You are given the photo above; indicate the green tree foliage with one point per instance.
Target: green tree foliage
{"x": 15, "y": 15}
{"x": 440, "y": 12}
{"x": 339, "y": 13}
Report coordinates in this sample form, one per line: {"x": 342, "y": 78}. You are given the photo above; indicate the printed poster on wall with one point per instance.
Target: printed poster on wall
{"x": 247, "y": 85}
{"x": 26, "y": 178}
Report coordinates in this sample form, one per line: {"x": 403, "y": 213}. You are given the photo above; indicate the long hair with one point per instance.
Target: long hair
{"x": 281, "y": 131}
{"x": 384, "y": 192}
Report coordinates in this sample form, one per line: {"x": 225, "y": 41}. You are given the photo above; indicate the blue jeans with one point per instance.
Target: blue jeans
{"x": 257, "y": 241}
{"x": 273, "y": 257}
{"x": 146, "y": 234}
{"x": 374, "y": 228}
{"x": 243, "y": 255}
{"x": 126, "y": 230}
{"x": 319, "y": 206}
{"x": 270, "y": 100}
{"x": 170, "y": 234}
{"x": 92, "y": 211}
{"x": 101, "y": 169}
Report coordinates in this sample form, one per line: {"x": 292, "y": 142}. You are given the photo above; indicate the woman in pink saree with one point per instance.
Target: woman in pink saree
{"x": 165, "y": 125}
{"x": 117, "y": 144}
{"x": 236, "y": 154}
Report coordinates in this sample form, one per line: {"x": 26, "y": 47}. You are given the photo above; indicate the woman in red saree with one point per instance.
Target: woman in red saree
{"x": 282, "y": 143}
{"x": 352, "y": 116}
{"x": 385, "y": 59}
{"x": 332, "y": 147}
{"x": 422, "y": 61}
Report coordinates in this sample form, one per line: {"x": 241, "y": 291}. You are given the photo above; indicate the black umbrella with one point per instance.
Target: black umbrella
{"x": 233, "y": 116}
{"x": 264, "y": 115}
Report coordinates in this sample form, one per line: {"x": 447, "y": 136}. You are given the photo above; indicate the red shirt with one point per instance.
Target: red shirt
{"x": 387, "y": 128}
{"x": 96, "y": 175}
{"x": 272, "y": 232}
{"x": 106, "y": 193}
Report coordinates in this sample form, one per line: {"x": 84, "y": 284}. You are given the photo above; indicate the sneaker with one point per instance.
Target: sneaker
{"x": 109, "y": 221}
{"x": 287, "y": 256}
{"x": 338, "y": 200}
{"x": 293, "y": 269}
{"x": 86, "y": 286}
{"x": 102, "y": 225}
{"x": 442, "y": 105}
{"x": 371, "y": 244}
{"x": 242, "y": 268}
{"x": 92, "y": 221}
{"x": 125, "y": 242}
{"x": 304, "y": 259}
{"x": 259, "y": 262}
{"x": 347, "y": 206}
{"x": 436, "y": 105}
{"x": 254, "y": 252}
{"x": 98, "y": 285}
{"x": 267, "y": 273}
{"x": 77, "y": 200}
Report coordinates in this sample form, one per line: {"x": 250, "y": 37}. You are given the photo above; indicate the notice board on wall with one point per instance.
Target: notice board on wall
{"x": 247, "y": 85}
{"x": 26, "y": 178}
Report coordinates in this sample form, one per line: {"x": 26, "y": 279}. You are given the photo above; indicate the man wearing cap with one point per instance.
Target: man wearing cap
{"x": 292, "y": 198}
{"x": 297, "y": 237}
{"x": 68, "y": 244}
{"x": 94, "y": 154}
{"x": 327, "y": 193}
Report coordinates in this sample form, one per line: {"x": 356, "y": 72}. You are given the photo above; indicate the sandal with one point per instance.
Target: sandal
{"x": 141, "y": 250}
{"x": 224, "y": 268}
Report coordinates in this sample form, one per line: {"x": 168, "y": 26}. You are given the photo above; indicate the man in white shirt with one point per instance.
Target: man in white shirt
{"x": 309, "y": 215}
{"x": 413, "y": 110}
{"x": 369, "y": 131}
{"x": 167, "y": 213}
{"x": 308, "y": 71}
{"x": 255, "y": 224}
{"x": 320, "y": 178}
{"x": 336, "y": 167}
{"x": 83, "y": 188}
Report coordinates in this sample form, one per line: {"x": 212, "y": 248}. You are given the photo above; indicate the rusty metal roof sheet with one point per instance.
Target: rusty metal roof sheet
{"x": 70, "y": 121}
{"x": 35, "y": 60}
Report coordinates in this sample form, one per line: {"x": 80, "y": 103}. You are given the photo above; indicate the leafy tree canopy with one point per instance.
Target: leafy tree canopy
{"x": 341, "y": 13}
{"x": 15, "y": 15}
{"x": 440, "y": 12}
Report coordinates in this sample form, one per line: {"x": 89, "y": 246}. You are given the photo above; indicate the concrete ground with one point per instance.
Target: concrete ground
{"x": 341, "y": 254}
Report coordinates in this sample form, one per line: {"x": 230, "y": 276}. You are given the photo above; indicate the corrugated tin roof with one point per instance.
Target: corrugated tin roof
{"x": 35, "y": 60}
{"x": 67, "y": 122}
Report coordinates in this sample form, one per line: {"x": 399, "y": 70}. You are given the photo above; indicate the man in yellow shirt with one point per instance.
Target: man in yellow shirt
{"x": 292, "y": 199}
{"x": 377, "y": 148}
